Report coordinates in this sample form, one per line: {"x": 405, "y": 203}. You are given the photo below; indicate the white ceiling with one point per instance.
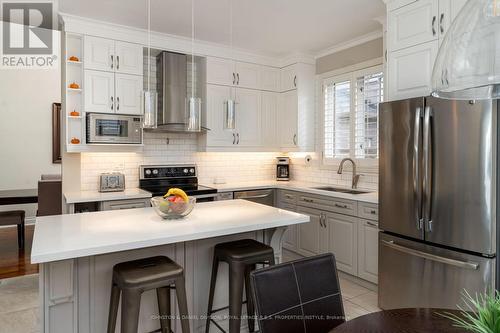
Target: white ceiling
{"x": 271, "y": 27}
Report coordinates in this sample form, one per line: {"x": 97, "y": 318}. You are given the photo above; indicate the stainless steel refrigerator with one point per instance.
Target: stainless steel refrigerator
{"x": 438, "y": 201}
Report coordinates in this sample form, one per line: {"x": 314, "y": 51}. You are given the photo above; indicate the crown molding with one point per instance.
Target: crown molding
{"x": 351, "y": 43}
{"x": 163, "y": 41}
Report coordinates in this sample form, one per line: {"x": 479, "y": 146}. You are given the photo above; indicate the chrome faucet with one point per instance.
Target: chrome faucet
{"x": 355, "y": 177}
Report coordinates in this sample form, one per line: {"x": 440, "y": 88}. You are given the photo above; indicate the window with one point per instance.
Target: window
{"x": 351, "y": 114}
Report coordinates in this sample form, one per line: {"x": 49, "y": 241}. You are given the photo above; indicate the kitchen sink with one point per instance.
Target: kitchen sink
{"x": 340, "y": 190}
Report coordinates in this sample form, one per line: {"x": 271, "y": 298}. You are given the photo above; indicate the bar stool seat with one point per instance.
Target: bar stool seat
{"x": 132, "y": 278}
{"x": 243, "y": 250}
{"x": 146, "y": 273}
{"x": 242, "y": 257}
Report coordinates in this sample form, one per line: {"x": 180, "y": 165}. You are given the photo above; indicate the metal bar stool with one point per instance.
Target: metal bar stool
{"x": 242, "y": 257}
{"x": 132, "y": 278}
{"x": 15, "y": 217}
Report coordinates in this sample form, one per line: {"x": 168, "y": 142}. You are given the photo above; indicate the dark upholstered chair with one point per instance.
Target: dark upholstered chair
{"x": 49, "y": 197}
{"x": 299, "y": 296}
{"x": 15, "y": 217}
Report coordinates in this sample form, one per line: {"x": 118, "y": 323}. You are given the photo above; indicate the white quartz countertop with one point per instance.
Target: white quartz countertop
{"x": 71, "y": 236}
{"x": 94, "y": 196}
{"x": 371, "y": 197}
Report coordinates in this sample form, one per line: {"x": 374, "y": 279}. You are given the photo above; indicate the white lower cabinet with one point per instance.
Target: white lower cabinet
{"x": 368, "y": 250}
{"x": 352, "y": 236}
{"x": 343, "y": 241}
{"x": 312, "y": 238}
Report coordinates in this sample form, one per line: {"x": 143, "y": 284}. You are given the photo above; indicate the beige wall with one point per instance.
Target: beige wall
{"x": 354, "y": 55}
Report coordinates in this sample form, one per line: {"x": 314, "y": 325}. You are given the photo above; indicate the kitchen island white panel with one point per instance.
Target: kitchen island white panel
{"x": 77, "y": 253}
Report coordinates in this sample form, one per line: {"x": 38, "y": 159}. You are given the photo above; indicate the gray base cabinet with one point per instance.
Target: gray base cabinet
{"x": 346, "y": 228}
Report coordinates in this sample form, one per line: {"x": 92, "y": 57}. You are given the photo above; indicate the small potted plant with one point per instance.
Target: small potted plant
{"x": 480, "y": 315}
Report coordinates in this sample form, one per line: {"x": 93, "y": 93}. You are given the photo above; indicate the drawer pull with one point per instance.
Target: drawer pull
{"x": 288, "y": 196}
{"x": 308, "y": 200}
{"x": 372, "y": 224}
{"x": 373, "y": 212}
{"x": 341, "y": 206}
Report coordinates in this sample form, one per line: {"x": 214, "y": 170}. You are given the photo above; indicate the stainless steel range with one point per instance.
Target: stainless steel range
{"x": 157, "y": 179}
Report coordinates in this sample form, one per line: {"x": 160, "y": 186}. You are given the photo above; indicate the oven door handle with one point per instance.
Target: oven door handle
{"x": 204, "y": 196}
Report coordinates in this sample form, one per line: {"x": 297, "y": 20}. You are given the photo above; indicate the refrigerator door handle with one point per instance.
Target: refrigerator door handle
{"x": 417, "y": 194}
{"x": 427, "y": 181}
{"x": 432, "y": 257}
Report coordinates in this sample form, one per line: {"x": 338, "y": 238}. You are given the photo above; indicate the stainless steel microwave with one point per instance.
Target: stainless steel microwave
{"x": 114, "y": 128}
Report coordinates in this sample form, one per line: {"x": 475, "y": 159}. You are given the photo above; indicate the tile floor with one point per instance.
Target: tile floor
{"x": 19, "y": 305}
{"x": 19, "y": 302}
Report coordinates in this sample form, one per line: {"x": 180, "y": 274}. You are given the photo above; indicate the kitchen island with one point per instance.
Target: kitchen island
{"x": 77, "y": 252}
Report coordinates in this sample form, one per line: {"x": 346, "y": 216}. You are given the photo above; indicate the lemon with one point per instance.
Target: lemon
{"x": 177, "y": 192}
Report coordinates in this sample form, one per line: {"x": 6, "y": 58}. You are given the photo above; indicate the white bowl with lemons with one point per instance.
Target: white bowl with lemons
{"x": 174, "y": 205}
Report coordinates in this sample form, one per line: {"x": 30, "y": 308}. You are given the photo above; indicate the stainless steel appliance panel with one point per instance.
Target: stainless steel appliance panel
{"x": 400, "y": 165}
{"x": 114, "y": 128}
{"x": 460, "y": 188}
{"x": 414, "y": 274}
{"x": 265, "y": 197}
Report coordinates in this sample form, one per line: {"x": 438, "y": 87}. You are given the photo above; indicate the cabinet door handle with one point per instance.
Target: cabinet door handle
{"x": 340, "y": 206}
{"x": 234, "y": 78}
{"x": 234, "y": 138}
{"x": 295, "y": 139}
{"x": 441, "y": 26}
{"x": 375, "y": 225}
{"x": 112, "y": 102}
{"x": 238, "y": 136}
{"x": 117, "y": 62}
{"x": 434, "y": 25}
{"x": 321, "y": 220}
{"x": 112, "y": 61}
{"x": 295, "y": 81}
{"x": 118, "y": 104}
{"x": 238, "y": 78}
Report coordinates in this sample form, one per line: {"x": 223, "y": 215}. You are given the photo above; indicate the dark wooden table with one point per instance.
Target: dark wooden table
{"x": 401, "y": 320}
{"x": 17, "y": 197}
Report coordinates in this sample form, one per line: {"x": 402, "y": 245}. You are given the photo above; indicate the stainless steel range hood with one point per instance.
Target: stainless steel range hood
{"x": 181, "y": 86}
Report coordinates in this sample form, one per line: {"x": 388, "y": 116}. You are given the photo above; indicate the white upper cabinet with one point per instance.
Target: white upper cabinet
{"x": 413, "y": 24}
{"x": 448, "y": 11}
{"x": 270, "y": 78}
{"x": 270, "y": 103}
{"x": 128, "y": 94}
{"x": 129, "y": 58}
{"x": 414, "y": 33}
{"x": 108, "y": 55}
{"x": 242, "y": 74}
{"x": 217, "y": 98}
{"x": 99, "y": 92}
{"x": 248, "y": 118}
{"x": 289, "y": 78}
{"x": 247, "y": 75}
{"x": 220, "y": 71}
{"x": 99, "y": 53}
{"x": 410, "y": 71}
{"x": 287, "y": 120}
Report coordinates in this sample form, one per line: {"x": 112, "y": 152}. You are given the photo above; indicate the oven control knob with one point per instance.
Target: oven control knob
{"x": 191, "y": 170}
{"x": 155, "y": 171}
{"x": 148, "y": 172}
